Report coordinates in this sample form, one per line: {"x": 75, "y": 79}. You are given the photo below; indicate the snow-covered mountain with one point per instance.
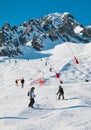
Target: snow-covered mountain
{"x": 52, "y": 29}
{"x": 49, "y": 113}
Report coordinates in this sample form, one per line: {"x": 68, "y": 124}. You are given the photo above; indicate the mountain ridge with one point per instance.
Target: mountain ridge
{"x": 53, "y": 28}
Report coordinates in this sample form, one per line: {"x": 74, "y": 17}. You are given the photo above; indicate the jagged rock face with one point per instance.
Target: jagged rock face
{"x": 53, "y": 27}
{"x": 86, "y": 32}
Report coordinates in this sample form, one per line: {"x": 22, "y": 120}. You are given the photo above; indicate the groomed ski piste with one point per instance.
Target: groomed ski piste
{"x": 49, "y": 112}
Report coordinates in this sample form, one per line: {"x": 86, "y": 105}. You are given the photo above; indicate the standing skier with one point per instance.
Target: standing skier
{"x": 16, "y": 81}
{"x": 45, "y": 63}
{"x": 50, "y": 69}
{"x": 22, "y": 82}
{"x": 32, "y": 96}
{"x": 60, "y": 92}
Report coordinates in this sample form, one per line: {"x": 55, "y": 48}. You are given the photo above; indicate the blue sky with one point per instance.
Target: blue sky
{"x": 17, "y": 11}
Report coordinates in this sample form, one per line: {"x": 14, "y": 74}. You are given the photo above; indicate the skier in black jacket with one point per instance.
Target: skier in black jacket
{"x": 60, "y": 92}
{"x": 22, "y": 82}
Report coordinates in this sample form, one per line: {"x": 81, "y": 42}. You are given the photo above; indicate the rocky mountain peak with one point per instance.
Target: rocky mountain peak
{"x": 51, "y": 28}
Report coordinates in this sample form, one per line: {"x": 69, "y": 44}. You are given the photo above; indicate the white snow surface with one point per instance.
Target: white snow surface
{"x": 78, "y": 29}
{"x": 49, "y": 113}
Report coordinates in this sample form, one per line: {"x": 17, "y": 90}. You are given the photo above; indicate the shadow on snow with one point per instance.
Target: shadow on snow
{"x": 13, "y": 117}
{"x": 70, "y": 107}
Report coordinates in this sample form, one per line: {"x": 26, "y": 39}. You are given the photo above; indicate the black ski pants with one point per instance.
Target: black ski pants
{"x": 32, "y": 101}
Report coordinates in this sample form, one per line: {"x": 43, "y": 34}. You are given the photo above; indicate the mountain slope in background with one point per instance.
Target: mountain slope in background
{"x": 52, "y": 29}
{"x": 50, "y": 113}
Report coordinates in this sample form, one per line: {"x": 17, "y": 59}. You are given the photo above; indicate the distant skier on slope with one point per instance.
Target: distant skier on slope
{"x": 22, "y": 82}
{"x": 32, "y": 96}
{"x": 50, "y": 69}
{"x": 16, "y": 81}
{"x": 45, "y": 63}
{"x": 60, "y": 92}
{"x": 15, "y": 61}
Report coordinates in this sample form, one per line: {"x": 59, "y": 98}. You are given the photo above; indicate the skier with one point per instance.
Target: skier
{"x": 50, "y": 69}
{"x": 16, "y": 81}
{"x": 45, "y": 63}
{"x": 15, "y": 61}
{"x": 22, "y": 82}
{"x": 60, "y": 92}
{"x": 31, "y": 94}
{"x": 9, "y": 61}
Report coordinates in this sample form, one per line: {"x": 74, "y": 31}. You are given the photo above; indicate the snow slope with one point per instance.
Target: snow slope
{"x": 51, "y": 114}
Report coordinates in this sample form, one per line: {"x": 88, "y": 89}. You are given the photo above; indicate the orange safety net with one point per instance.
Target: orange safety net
{"x": 41, "y": 81}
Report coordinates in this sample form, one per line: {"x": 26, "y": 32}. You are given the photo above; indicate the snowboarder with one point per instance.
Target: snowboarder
{"x": 31, "y": 94}
{"x": 22, "y": 82}
{"x": 60, "y": 92}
